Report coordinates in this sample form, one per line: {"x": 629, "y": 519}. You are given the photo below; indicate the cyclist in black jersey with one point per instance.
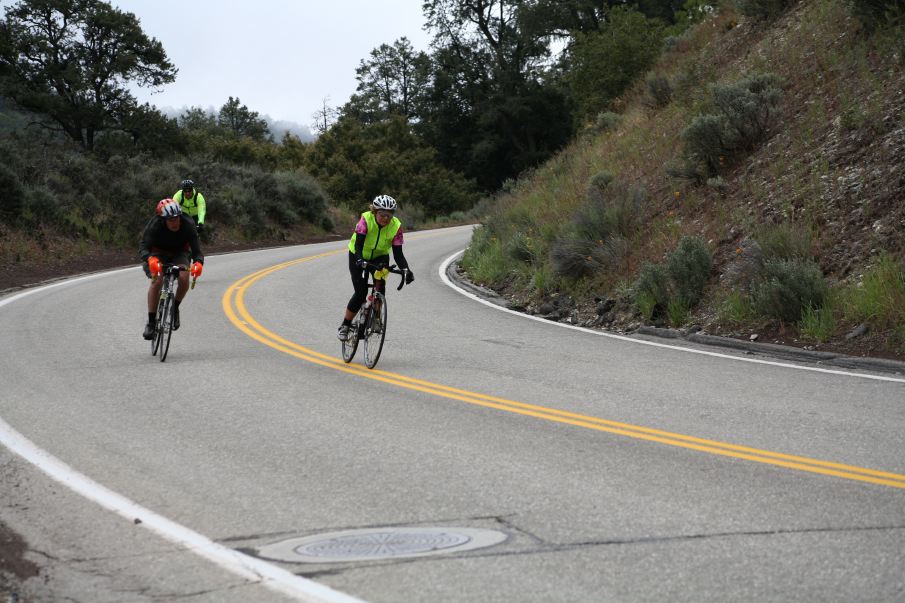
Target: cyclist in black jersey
{"x": 170, "y": 238}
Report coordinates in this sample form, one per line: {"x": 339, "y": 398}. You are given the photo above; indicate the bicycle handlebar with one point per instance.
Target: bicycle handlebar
{"x": 391, "y": 268}
{"x": 176, "y": 269}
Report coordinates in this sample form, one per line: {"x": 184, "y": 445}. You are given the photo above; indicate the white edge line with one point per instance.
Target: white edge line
{"x": 449, "y": 283}
{"x": 240, "y": 564}
{"x": 61, "y": 283}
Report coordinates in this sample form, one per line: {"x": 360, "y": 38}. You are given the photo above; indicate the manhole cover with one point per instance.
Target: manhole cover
{"x": 379, "y": 543}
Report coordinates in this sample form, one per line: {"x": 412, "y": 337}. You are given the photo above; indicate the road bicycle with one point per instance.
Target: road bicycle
{"x": 370, "y": 324}
{"x": 166, "y": 309}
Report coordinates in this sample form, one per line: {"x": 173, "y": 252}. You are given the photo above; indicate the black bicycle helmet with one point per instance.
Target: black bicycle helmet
{"x": 187, "y": 185}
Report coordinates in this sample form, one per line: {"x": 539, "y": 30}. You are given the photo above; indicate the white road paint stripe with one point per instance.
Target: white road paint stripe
{"x": 244, "y": 566}
{"x": 452, "y": 285}
{"x": 62, "y": 283}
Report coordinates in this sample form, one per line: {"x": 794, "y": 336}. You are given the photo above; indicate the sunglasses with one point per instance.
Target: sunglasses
{"x": 385, "y": 214}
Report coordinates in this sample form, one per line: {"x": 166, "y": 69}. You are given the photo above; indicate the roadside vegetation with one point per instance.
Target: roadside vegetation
{"x": 750, "y": 182}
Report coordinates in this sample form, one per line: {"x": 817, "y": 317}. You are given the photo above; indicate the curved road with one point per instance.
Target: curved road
{"x": 612, "y": 470}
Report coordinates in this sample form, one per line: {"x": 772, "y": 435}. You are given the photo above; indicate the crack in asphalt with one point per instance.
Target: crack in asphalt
{"x": 780, "y": 532}
{"x": 546, "y": 548}
{"x": 197, "y": 593}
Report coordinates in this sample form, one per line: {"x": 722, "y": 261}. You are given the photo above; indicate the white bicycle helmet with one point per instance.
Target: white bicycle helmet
{"x": 169, "y": 209}
{"x": 384, "y": 202}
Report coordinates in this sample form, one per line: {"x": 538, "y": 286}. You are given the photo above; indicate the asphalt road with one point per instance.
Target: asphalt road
{"x": 612, "y": 470}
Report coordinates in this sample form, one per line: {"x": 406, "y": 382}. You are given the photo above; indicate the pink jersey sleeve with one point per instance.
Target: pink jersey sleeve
{"x": 397, "y": 240}
{"x": 362, "y": 227}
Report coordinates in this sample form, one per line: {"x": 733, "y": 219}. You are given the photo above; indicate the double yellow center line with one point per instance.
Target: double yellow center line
{"x": 237, "y": 312}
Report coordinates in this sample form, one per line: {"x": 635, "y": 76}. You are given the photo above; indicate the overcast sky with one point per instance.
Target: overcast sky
{"x": 280, "y": 58}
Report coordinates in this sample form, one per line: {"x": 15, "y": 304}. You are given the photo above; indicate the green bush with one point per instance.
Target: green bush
{"x": 611, "y": 209}
{"x": 43, "y": 207}
{"x": 736, "y": 308}
{"x": 741, "y": 116}
{"x": 718, "y": 184}
{"x": 241, "y": 210}
{"x": 750, "y": 107}
{"x": 598, "y": 184}
{"x": 787, "y": 287}
{"x": 880, "y": 296}
{"x": 280, "y": 211}
{"x": 645, "y": 304}
{"x": 481, "y": 239}
{"x": 817, "y": 324}
{"x": 607, "y": 120}
{"x": 674, "y": 287}
{"x": 746, "y": 266}
{"x": 484, "y": 259}
{"x": 597, "y": 237}
{"x": 614, "y": 250}
{"x": 573, "y": 255}
{"x": 786, "y": 241}
{"x": 303, "y": 194}
{"x": 521, "y": 247}
{"x": 658, "y": 91}
{"x": 706, "y": 146}
{"x": 652, "y": 289}
{"x": 677, "y": 312}
{"x": 576, "y": 256}
{"x": 689, "y": 270}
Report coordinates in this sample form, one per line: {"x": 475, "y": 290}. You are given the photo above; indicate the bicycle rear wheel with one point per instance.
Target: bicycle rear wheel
{"x": 165, "y": 328}
{"x": 351, "y": 342}
{"x": 375, "y": 330}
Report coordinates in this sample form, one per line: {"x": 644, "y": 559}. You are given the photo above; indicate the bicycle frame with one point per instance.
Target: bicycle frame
{"x": 166, "y": 307}
{"x": 369, "y": 324}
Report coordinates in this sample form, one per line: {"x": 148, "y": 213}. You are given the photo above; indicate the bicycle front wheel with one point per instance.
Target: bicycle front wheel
{"x": 165, "y": 328}
{"x": 158, "y": 320}
{"x": 375, "y": 331}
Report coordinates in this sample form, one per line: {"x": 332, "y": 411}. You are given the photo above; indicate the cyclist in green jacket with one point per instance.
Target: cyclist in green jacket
{"x": 192, "y": 203}
{"x": 377, "y": 232}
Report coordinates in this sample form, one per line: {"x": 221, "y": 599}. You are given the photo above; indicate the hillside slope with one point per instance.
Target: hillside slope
{"x": 827, "y": 182}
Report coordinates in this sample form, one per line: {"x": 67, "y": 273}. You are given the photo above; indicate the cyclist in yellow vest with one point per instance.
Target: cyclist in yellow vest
{"x": 192, "y": 203}
{"x": 377, "y": 232}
